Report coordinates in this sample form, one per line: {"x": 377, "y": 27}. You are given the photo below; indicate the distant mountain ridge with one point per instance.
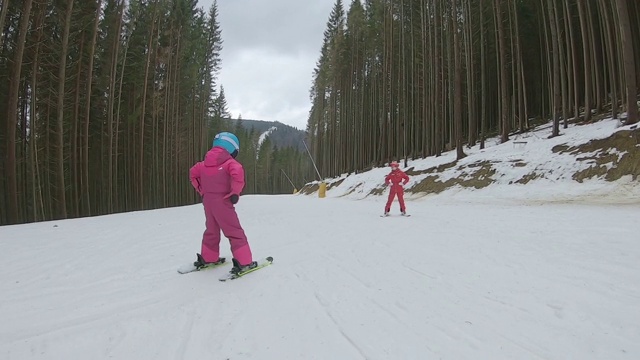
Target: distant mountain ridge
{"x": 283, "y": 136}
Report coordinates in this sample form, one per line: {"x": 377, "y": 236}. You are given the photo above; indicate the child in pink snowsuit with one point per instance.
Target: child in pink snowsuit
{"x": 219, "y": 179}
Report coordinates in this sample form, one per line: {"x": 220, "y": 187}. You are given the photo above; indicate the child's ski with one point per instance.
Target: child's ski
{"x": 261, "y": 264}
{"x": 185, "y": 269}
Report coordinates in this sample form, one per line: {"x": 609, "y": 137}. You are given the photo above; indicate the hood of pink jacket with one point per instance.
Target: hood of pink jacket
{"x": 216, "y": 156}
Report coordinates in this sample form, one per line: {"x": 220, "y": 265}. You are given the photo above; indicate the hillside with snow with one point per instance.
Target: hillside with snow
{"x": 597, "y": 162}
{"x": 523, "y": 250}
{"x": 279, "y": 134}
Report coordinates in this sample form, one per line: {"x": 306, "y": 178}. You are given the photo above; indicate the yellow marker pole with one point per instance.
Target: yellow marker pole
{"x": 322, "y": 191}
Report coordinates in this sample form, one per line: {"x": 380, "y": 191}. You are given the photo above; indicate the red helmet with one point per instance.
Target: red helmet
{"x": 394, "y": 164}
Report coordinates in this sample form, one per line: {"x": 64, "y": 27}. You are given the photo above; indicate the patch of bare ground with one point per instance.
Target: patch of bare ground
{"x": 477, "y": 175}
{"x": 612, "y": 157}
{"x": 309, "y": 189}
{"x": 334, "y": 184}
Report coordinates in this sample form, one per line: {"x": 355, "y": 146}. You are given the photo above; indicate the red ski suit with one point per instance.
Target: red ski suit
{"x": 397, "y": 178}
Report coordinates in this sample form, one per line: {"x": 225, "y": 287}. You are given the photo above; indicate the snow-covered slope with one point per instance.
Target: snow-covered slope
{"x": 466, "y": 277}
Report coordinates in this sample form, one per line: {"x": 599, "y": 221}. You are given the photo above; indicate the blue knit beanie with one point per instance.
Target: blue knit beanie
{"x": 228, "y": 141}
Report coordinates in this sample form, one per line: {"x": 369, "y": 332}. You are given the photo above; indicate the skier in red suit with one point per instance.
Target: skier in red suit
{"x": 397, "y": 178}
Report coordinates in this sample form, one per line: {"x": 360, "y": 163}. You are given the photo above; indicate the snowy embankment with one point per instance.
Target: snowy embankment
{"x": 468, "y": 276}
{"x": 599, "y": 163}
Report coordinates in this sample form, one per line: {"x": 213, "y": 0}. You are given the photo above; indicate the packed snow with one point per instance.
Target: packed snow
{"x": 547, "y": 270}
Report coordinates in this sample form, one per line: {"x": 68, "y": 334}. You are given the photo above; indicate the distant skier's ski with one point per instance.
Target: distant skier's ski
{"x": 185, "y": 269}
{"x": 261, "y": 264}
{"x": 389, "y": 215}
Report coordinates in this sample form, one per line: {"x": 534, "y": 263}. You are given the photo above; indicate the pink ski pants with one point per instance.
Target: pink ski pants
{"x": 221, "y": 215}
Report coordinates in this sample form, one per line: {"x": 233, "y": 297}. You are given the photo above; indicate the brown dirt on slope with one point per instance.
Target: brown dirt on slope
{"x": 604, "y": 153}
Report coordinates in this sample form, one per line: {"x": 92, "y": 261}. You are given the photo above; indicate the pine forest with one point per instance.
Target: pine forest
{"x": 106, "y": 104}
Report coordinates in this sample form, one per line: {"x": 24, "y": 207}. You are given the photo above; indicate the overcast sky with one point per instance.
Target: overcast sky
{"x": 269, "y": 52}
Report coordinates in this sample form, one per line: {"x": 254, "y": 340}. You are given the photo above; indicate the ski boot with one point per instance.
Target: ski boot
{"x": 200, "y": 263}
{"x": 239, "y": 269}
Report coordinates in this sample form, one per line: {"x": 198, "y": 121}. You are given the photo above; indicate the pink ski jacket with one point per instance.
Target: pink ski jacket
{"x": 219, "y": 174}
{"x": 396, "y": 177}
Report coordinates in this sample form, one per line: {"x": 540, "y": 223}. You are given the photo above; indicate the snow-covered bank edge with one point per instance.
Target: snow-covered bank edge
{"x": 591, "y": 163}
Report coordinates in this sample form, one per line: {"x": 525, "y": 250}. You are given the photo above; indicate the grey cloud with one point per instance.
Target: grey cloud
{"x": 270, "y": 49}
{"x": 276, "y": 89}
{"x": 285, "y": 25}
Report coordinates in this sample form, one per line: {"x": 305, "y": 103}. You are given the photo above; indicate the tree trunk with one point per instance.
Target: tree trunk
{"x": 59, "y": 158}
{"x": 574, "y": 61}
{"x": 143, "y": 113}
{"x": 113, "y": 71}
{"x": 561, "y": 65}
{"x": 84, "y": 179}
{"x": 457, "y": 107}
{"x": 471, "y": 83}
{"x": 12, "y": 114}
{"x": 629, "y": 61}
{"x": 37, "y": 203}
{"x": 586, "y": 54}
{"x": 438, "y": 78}
{"x": 116, "y": 188}
{"x": 556, "y": 69}
{"x": 595, "y": 60}
{"x": 604, "y": 6}
{"x": 522, "y": 92}
{"x": 483, "y": 81}
{"x": 503, "y": 74}
{"x": 75, "y": 182}
{"x": 3, "y": 16}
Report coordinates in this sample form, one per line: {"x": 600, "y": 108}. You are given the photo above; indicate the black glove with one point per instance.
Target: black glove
{"x": 234, "y": 198}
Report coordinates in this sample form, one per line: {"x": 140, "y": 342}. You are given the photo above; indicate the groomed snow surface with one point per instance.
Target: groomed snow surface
{"x": 539, "y": 271}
